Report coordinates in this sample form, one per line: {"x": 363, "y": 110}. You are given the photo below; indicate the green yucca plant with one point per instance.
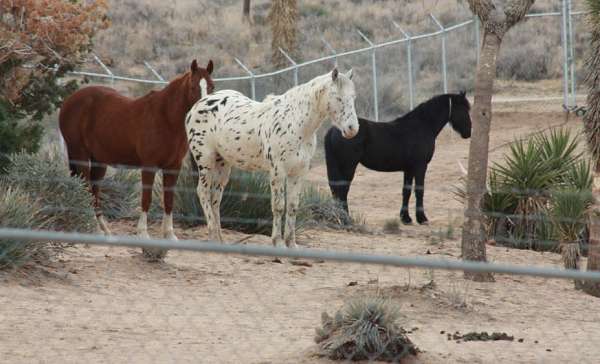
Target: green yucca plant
{"x": 364, "y": 329}
{"x": 519, "y": 195}
{"x": 558, "y": 149}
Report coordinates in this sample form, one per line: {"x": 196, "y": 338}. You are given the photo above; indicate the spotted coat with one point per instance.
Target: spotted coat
{"x": 227, "y": 129}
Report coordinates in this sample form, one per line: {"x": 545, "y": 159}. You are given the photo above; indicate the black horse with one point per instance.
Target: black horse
{"x": 405, "y": 144}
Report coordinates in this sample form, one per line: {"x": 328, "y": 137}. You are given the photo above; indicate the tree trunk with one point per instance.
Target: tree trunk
{"x": 246, "y": 11}
{"x": 283, "y": 18}
{"x": 473, "y": 235}
{"x": 591, "y": 122}
{"x": 593, "y": 262}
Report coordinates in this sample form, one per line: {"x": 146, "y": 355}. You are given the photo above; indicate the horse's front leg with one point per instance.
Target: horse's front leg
{"x": 419, "y": 192}
{"x": 406, "y": 190}
{"x": 169, "y": 182}
{"x": 147, "y": 185}
{"x": 277, "y": 204}
{"x": 293, "y": 197}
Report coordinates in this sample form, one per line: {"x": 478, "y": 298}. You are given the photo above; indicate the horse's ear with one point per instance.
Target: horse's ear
{"x": 349, "y": 74}
{"x": 334, "y": 74}
{"x": 209, "y": 67}
{"x": 194, "y": 66}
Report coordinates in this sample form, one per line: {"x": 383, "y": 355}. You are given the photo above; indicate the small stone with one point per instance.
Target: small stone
{"x": 520, "y": 340}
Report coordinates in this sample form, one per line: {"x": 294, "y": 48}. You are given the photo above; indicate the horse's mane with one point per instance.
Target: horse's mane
{"x": 174, "y": 83}
{"x": 433, "y": 103}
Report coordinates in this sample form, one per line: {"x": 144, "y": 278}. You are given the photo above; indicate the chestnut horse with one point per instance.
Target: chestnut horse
{"x": 101, "y": 127}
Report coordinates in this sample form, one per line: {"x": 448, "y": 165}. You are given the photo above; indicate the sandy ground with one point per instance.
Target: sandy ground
{"x": 105, "y": 305}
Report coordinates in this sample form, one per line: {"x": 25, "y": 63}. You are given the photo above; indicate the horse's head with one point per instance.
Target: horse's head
{"x": 460, "y": 117}
{"x": 199, "y": 82}
{"x": 341, "y": 94}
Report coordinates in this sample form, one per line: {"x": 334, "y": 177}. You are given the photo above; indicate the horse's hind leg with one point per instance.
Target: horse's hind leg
{"x": 277, "y": 204}
{"x": 419, "y": 192}
{"x": 169, "y": 181}
{"x": 220, "y": 179}
{"x": 97, "y": 172}
{"x": 406, "y": 191}
{"x": 293, "y": 197}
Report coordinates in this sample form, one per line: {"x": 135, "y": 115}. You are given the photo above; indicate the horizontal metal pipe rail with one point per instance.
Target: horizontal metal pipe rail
{"x": 268, "y": 251}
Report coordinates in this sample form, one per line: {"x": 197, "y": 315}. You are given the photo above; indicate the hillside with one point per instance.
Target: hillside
{"x": 168, "y": 34}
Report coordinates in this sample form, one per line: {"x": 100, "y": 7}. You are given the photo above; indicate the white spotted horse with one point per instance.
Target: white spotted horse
{"x": 227, "y": 129}
{"x": 404, "y": 144}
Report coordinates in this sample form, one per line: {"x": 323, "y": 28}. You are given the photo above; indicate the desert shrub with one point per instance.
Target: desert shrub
{"x": 65, "y": 202}
{"x": 120, "y": 194}
{"x": 525, "y": 205}
{"x": 392, "y": 226}
{"x": 320, "y": 208}
{"x": 20, "y": 211}
{"x": 364, "y": 329}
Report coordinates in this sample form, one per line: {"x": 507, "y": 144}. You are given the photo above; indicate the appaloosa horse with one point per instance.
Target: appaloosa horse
{"x": 101, "y": 127}
{"x": 404, "y": 144}
{"x": 278, "y": 135}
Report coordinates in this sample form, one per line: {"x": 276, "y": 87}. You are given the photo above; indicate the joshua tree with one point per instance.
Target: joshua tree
{"x": 283, "y": 18}
{"x": 497, "y": 17}
{"x": 592, "y": 132}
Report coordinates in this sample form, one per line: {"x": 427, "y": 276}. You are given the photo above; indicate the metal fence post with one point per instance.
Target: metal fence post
{"x": 293, "y": 63}
{"x": 409, "y": 64}
{"x": 106, "y": 69}
{"x": 331, "y": 49}
{"x": 252, "y": 78}
{"x": 156, "y": 74}
{"x": 444, "y": 65}
{"x": 571, "y": 54}
{"x": 374, "y": 69}
{"x": 477, "y": 41}
{"x": 565, "y": 56}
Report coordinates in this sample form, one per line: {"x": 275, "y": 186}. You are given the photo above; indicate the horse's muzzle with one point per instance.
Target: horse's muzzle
{"x": 349, "y": 133}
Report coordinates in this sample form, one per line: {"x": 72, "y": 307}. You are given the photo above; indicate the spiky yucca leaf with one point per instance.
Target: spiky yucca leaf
{"x": 568, "y": 212}
{"x": 558, "y": 149}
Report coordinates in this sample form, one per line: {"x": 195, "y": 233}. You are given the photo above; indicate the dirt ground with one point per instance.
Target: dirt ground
{"x": 100, "y": 305}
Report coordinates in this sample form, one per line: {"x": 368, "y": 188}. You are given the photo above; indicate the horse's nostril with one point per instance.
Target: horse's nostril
{"x": 351, "y": 127}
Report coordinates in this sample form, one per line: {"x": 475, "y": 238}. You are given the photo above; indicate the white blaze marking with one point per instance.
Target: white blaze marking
{"x": 203, "y": 88}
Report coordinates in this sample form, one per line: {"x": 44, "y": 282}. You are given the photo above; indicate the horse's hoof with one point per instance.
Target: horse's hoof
{"x": 424, "y": 222}
{"x": 170, "y": 236}
{"x": 279, "y": 243}
{"x": 406, "y": 220}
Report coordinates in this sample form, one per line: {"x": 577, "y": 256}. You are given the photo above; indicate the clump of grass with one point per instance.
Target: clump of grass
{"x": 364, "y": 329}
{"x": 319, "y": 208}
{"x": 391, "y": 226}
{"x": 246, "y": 204}
{"x": 65, "y": 203}
{"x": 18, "y": 210}
{"x": 120, "y": 194}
